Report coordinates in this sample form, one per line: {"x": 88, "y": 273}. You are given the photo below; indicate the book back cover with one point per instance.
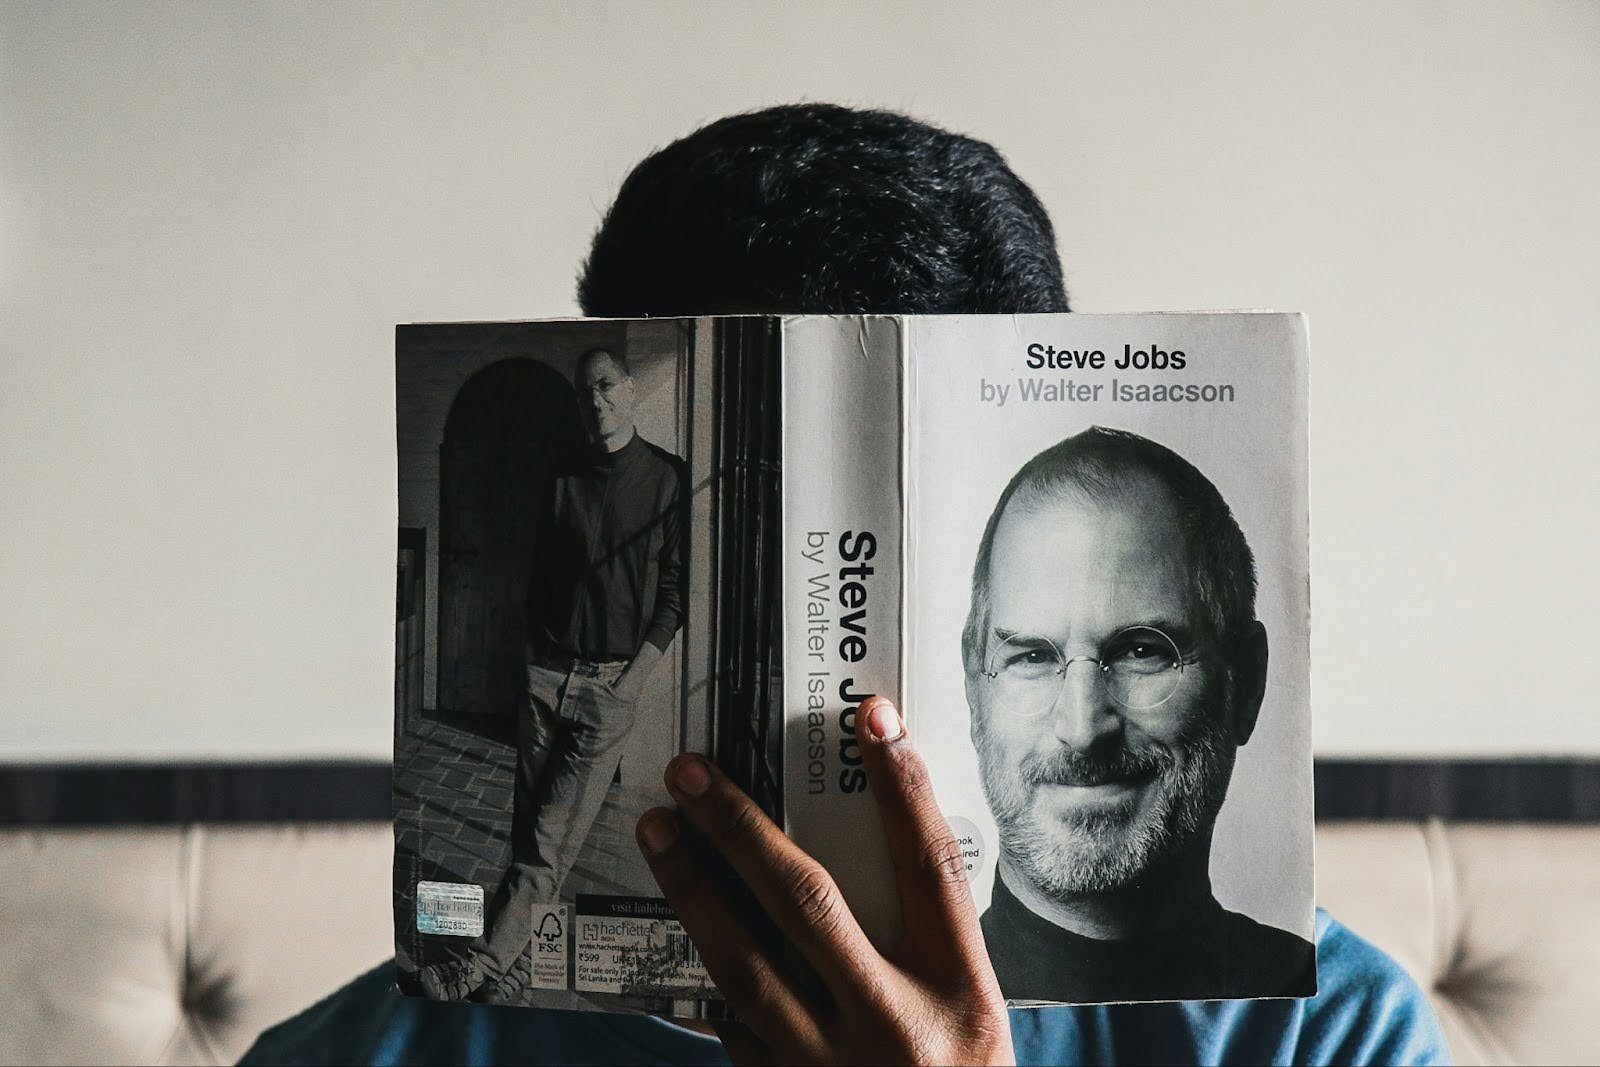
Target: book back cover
{"x": 586, "y": 585}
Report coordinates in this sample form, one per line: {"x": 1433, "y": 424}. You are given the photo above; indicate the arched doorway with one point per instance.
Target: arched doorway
{"x": 510, "y": 429}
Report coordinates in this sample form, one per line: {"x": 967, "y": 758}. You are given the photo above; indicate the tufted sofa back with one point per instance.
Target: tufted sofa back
{"x": 179, "y": 944}
{"x": 1499, "y": 922}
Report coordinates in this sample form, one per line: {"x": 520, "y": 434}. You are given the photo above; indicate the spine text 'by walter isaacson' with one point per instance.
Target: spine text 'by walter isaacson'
{"x": 842, "y": 588}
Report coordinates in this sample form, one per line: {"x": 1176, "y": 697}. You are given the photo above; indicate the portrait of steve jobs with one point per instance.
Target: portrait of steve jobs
{"x": 1114, "y": 664}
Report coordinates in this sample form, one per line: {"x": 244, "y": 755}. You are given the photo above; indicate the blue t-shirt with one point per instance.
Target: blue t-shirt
{"x": 1367, "y": 1011}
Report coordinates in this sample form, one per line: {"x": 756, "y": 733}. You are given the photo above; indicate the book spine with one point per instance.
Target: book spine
{"x": 843, "y": 435}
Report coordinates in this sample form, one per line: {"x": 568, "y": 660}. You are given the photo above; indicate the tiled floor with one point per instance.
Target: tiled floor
{"x": 453, "y": 798}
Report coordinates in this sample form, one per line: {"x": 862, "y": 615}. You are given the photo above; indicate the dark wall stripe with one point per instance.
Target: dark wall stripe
{"x": 106, "y": 795}
{"x": 1536, "y": 790}
{"x": 100, "y": 795}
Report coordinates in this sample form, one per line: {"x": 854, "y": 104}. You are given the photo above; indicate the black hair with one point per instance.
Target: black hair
{"x": 823, "y": 209}
{"x": 1097, "y": 463}
{"x": 614, "y": 355}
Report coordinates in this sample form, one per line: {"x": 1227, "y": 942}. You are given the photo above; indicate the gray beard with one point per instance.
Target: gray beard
{"x": 1097, "y": 852}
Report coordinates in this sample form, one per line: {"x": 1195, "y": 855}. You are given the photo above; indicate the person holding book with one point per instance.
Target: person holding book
{"x": 605, "y": 599}
{"x": 1109, "y": 692}
{"x": 818, "y": 208}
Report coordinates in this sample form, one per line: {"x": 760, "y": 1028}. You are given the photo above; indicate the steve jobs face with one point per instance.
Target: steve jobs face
{"x": 1098, "y": 711}
{"x": 605, "y": 397}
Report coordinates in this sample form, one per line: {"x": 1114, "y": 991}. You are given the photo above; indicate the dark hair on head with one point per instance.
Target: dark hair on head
{"x": 613, "y": 355}
{"x": 823, "y": 209}
{"x": 1098, "y": 463}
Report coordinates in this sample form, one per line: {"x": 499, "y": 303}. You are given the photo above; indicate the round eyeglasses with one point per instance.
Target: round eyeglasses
{"x": 1141, "y": 666}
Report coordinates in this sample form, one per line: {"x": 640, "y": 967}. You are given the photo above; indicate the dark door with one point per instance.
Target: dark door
{"x": 510, "y": 428}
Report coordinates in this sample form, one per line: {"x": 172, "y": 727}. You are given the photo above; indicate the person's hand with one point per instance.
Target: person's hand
{"x": 932, "y": 998}
{"x": 630, "y": 684}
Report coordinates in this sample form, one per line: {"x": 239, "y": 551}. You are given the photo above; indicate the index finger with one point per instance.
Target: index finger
{"x": 930, "y": 870}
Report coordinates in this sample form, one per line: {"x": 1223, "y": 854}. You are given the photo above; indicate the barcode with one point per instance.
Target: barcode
{"x": 681, "y": 950}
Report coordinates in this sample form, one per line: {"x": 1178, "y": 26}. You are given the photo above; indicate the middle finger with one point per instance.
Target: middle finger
{"x": 751, "y": 979}
{"x": 791, "y": 887}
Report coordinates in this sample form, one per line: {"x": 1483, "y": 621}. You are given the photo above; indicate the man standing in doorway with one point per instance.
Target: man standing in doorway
{"x": 604, "y": 601}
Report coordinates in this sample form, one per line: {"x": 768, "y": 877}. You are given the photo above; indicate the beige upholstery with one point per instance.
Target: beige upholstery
{"x": 178, "y": 946}
{"x": 1501, "y": 923}
{"x": 171, "y": 945}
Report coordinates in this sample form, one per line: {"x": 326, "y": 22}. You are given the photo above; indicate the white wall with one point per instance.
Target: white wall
{"x": 211, "y": 216}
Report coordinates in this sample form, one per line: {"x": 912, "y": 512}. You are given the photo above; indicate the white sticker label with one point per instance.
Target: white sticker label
{"x": 971, "y": 842}
{"x": 549, "y": 950}
{"x": 451, "y": 908}
{"x": 639, "y": 950}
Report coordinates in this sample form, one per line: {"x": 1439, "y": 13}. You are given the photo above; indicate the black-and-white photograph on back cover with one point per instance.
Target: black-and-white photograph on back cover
{"x": 584, "y": 589}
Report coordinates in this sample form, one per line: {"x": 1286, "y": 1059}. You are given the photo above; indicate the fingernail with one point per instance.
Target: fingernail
{"x": 692, "y": 776}
{"x": 883, "y": 720}
{"x": 658, "y": 831}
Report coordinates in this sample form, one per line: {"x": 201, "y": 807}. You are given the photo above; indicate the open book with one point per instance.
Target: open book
{"x": 1072, "y": 547}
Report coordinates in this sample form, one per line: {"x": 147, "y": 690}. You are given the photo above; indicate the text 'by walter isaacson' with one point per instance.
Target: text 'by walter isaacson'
{"x": 839, "y": 607}
{"x": 1090, "y": 388}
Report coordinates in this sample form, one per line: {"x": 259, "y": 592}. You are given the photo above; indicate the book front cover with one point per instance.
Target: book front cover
{"x": 1107, "y": 644}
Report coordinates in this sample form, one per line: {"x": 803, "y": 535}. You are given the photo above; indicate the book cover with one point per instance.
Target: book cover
{"x": 1104, "y": 652}
{"x": 1072, "y": 547}
{"x": 587, "y": 584}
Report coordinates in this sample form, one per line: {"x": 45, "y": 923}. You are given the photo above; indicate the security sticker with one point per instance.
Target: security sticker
{"x": 451, "y": 908}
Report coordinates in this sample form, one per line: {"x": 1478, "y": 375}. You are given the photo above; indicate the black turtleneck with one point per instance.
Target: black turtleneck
{"x": 608, "y": 569}
{"x": 1209, "y": 953}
